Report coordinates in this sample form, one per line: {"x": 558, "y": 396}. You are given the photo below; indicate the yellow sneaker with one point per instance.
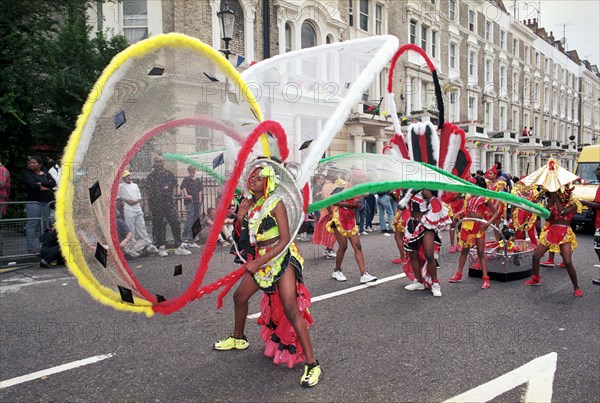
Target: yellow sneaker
{"x": 312, "y": 374}
{"x": 231, "y": 343}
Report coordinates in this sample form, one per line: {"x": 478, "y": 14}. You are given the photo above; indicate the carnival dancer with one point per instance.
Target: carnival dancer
{"x": 399, "y": 226}
{"x": 284, "y": 308}
{"x": 320, "y": 235}
{"x": 455, "y": 203}
{"x": 524, "y": 221}
{"x": 557, "y": 235}
{"x": 472, "y": 233}
{"x": 497, "y": 184}
{"x": 343, "y": 226}
{"x": 427, "y": 214}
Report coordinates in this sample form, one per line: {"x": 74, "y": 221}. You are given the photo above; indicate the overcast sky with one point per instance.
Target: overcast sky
{"x": 580, "y": 17}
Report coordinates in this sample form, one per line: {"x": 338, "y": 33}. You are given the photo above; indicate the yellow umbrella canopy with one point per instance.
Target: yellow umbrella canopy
{"x": 551, "y": 177}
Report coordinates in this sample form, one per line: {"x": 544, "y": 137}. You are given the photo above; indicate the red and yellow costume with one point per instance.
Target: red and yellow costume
{"x": 402, "y": 215}
{"x": 524, "y": 221}
{"x": 344, "y": 219}
{"x": 454, "y": 202}
{"x": 470, "y": 231}
{"x": 554, "y": 235}
{"x": 498, "y": 186}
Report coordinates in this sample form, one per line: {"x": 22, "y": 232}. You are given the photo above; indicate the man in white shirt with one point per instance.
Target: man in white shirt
{"x": 129, "y": 193}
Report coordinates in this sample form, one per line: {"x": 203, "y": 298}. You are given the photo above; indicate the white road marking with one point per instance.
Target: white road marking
{"x": 53, "y": 370}
{"x": 538, "y": 374}
{"x": 25, "y": 282}
{"x": 345, "y": 291}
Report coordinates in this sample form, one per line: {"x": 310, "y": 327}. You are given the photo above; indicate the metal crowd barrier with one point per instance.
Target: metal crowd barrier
{"x": 13, "y": 244}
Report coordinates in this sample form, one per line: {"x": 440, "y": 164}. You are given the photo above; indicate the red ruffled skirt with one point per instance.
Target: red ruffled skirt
{"x": 280, "y": 339}
{"x": 321, "y": 236}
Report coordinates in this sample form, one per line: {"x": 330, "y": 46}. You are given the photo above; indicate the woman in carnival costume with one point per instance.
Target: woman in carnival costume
{"x": 321, "y": 236}
{"x": 343, "y": 225}
{"x": 472, "y": 233}
{"x": 276, "y": 271}
{"x": 557, "y": 235}
{"x": 524, "y": 221}
{"x": 399, "y": 226}
{"x": 497, "y": 184}
{"x": 427, "y": 214}
{"x": 455, "y": 203}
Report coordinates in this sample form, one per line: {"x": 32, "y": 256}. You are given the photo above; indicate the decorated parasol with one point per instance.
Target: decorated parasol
{"x": 551, "y": 177}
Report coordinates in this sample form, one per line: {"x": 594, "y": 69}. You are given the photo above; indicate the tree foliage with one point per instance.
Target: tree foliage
{"x": 49, "y": 61}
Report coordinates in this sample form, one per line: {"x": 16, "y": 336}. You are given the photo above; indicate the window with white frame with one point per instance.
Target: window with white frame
{"x": 554, "y": 131}
{"x": 412, "y": 34}
{"x": 515, "y": 120}
{"x": 351, "y": 13}
{"x": 502, "y": 118}
{"x": 472, "y": 108}
{"x": 452, "y": 56}
{"x": 378, "y": 19}
{"x": 546, "y": 98}
{"x": 453, "y": 101}
{"x": 503, "y": 39}
{"x": 364, "y": 15}
{"x": 525, "y": 119}
{"x": 563, "y": 106}
{"x": 488, "y": 31}
{"x": 472, "y": 64}
{"x": 527, "y": 55}
{"x": 546, "y": 130}
{"x": 472, "y": 21}
{"x": 554, "y": 101}
{"x": 135, "y": 20}
{"x": 536, "y": 124}
{"x": 424, "y": 37}
{"x": 288, "y": 37}
{"x": 452, "y": 10}
{"x": 536, "y": 93}
{"x": 515, "y": 87}
{"x": 546, "y": 65}
{"x": 434, "y": 38}
{"x": 537, "y": 59}
{"x": 308, "y": 35}
{"x": 488, "y": 71}
{"x": 502, "y": 80}
{"x": 515, "y": 47}
{"x": 488, "y": 115}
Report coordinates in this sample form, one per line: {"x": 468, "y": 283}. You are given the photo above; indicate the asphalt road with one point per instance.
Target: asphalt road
{"x": 375, "y": 343}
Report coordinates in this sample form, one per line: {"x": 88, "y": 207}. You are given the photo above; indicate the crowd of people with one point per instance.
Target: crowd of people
{"x": 417, "y": 218}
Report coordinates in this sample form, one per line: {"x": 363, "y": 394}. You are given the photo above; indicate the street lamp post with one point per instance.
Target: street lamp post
{"x": 227, "y": 19}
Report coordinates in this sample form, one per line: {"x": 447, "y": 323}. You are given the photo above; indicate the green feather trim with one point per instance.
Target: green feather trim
{"x": 463, "y": 187}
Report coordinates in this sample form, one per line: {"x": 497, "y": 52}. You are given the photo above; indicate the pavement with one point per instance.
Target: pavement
{"x": 377, "y": 342}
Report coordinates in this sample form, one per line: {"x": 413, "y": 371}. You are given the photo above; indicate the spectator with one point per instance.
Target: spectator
{"x": 525, "y": 132}
{"x": 4, "y": 194}
{"x": 39, "y": 186}
{"x": 4, "y": 189}
{"x": 225, "y": 237}
{"x": 372, "y": 209}
{"x": 129, "y": 194}
{"x": 530, "y": 132}
{"x": 385, "y": 209}
{"x": 50, "y": 249}
{"x": 55, "y": 171}
{"x": 161, "y": 184}
{"x": 191, "y": 190}
{"x": 126, "y": 239}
